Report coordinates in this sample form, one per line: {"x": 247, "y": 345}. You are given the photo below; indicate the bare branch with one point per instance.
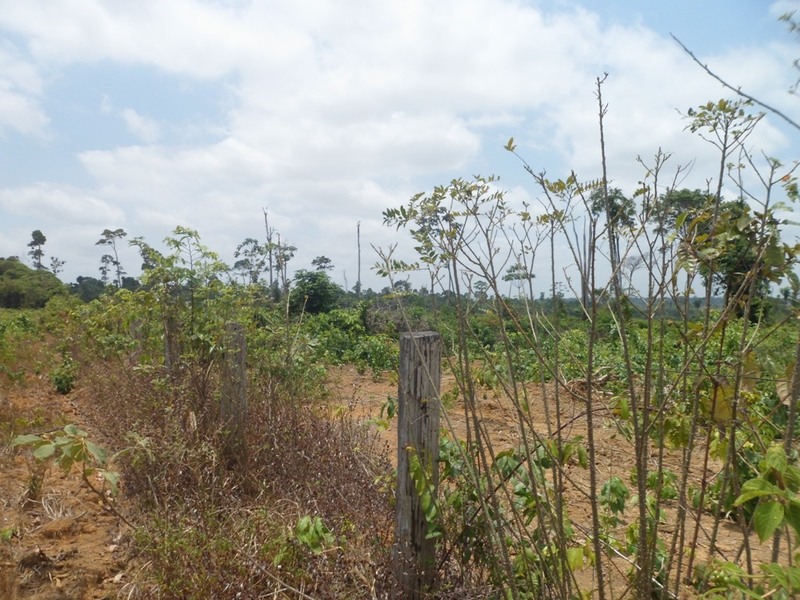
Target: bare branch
{"x": 737, "y": 90}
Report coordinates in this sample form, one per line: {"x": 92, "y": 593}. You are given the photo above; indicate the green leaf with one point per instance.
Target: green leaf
{"x": 24, "y": 440}
{"x": 575, "y": 558}
{"x": 792, "y": 478}
{"x": 99, "y": 454}
{"x": 510, "y": 146}
{"x": 70, "y": 450}
{"x": 44, "y": 451}
{"x": 719, "y": 405}
{"x": 767, "y": 518}
{"x": 613, "y": 495}
{"x": 774, "y": 255}
{"x": 74, "y": 431}
{"x": 756, "y": 488}
{"x": 793, "y": 515}
{"x": 65, "y": 462}
{"x": 776, "y": 458}
{"x": 751, "y": 372}
{"x": 7, "y": 533}
{"x": 113, "y": 480}
{"x": 793, "y": 575}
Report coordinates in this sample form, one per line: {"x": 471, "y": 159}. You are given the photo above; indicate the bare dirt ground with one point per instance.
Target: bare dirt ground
{"x": 63, "y": 544}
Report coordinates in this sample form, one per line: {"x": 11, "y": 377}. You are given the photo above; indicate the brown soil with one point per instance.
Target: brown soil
{"x": 615, "y": 456}
{"x": 66, "y": 545}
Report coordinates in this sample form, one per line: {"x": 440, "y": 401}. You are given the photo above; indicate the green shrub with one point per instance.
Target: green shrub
{"x": 64, "y": 375}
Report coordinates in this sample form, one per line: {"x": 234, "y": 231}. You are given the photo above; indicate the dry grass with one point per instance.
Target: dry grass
{"x": 206, "y": 530}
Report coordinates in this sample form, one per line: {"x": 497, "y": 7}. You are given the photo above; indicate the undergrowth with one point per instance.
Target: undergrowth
{"x": 207, "y": 531}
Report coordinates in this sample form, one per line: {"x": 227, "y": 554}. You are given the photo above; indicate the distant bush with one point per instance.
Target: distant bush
{"x": 23, "y": 287}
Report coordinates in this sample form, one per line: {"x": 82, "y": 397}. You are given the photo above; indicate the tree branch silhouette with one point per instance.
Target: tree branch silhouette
{"x": 737, "y": 90}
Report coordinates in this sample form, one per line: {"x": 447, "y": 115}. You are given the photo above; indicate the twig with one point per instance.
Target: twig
{"x": 627, "y": 559}
{"x": 275, "y": 579}
{"x": 737, "y": 90}
{"x": 106, "y": 502}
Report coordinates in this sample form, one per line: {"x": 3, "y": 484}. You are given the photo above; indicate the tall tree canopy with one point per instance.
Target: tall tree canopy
{"x": 36, "y": 252}
{"x": 314, "y": 292}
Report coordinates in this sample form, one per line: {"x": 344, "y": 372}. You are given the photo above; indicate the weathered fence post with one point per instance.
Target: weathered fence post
{"x": 233, "y": 402}
{"x": 171, "y": 346}
{"x": 418, "y": 437}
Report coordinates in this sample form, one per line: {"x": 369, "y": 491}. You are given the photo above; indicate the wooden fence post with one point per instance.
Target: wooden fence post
{"x": 417, "y": 436}
{"x": 171, "y": 347}
{"x": 233, "y": 401}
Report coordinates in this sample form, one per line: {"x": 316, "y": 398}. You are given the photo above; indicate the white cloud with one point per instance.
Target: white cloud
{"x": 56, "y": 204}
{"x": 20, "y": 90}
{"x": 144, "y": 128}
{"x": 179, "y": 36}
{"x": 343, "y": 109}
{"x": 21, "y": 114}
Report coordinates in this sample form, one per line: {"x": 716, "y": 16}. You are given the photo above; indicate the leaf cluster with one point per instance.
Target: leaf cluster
{"x": 777, "y": 489}
{"x": 67, "y": 448}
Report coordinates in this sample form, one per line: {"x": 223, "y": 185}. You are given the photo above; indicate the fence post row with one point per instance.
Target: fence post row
{"x": 417, "y": 435}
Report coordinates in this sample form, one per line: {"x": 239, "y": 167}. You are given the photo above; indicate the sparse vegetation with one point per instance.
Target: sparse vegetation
{"x": 622, "y": 436}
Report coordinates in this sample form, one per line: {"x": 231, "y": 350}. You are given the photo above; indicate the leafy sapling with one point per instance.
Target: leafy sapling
{"x": 71, "y": 446}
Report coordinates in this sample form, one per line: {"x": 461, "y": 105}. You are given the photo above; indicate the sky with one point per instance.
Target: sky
{"x": 154, "y": 114}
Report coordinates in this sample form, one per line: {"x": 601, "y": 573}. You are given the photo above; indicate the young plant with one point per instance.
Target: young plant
{"x": 69, "y": 447}
{"x": 64, "y": 375}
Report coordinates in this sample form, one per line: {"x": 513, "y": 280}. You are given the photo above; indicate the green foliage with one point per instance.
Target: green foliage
{"x": 186, "y": 288}
{"x": 733, "y": 249}
{"x": 322, "y": 263}
{"x": 738, "y": 247}
{"x": 313, "y": 534}
{"x": 777, "y": 489}
{"x": 23, "y": 287}
{"x": 252, "y": 260}
{"x": 619, "y": 210}
{"x": 64, "y": 375}
{"x": 664, "y": 482}
{"x": 340, "y": 336}
{"x": 19, "y": 332}
{"x": 285, "y": 363}
{"x": 613, "y": 496}
{"x": 720, "y": 580}
{"x": 723, "y": 119}
{"x": 436, "y": 221}
{"x": 68, "y": 447}
{"x": 672, "y": 367}
{"x": 309, "y": 535}
{"x": 87, "y": 288}
{"x": 677, "y": 208}
{"x": 780, "y": 581}
{"x": 424, "y": 485}
{"x": 108, "y": 261}
{"x": 8, "y": 533}
{"x": 36, "y": 253}
{"x": 313, "y": 293}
